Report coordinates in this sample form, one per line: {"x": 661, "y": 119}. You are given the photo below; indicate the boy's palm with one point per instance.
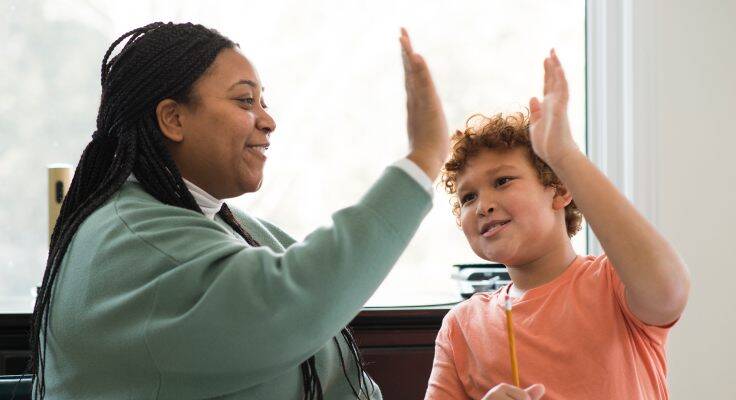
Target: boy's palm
{"x": 549, "y": 129}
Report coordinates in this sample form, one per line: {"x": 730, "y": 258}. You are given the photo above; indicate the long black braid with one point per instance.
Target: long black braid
{"x": 158, "y": 61}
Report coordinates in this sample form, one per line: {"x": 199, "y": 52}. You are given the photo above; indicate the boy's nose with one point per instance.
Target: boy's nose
{"x": 483, "y": 211}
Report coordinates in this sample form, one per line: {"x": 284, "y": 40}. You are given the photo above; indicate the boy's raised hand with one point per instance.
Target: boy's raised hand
{"x": 504, "y": 391}
{"x": 429, "y": 141}
{"x": 549, "y": 128}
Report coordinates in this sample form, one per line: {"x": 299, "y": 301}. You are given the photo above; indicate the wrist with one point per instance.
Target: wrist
{"x": 562, "y": 160}
{"x": 431, "y": 165}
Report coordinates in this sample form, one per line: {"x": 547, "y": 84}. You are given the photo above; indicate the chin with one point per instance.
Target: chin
{"x": 504, "y": 256}
{"x": 498, "y": 258}
{"x": 258, "y": 185}
{"x": 250, "y": 185}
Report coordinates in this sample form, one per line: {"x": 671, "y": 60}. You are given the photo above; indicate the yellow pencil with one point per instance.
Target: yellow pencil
{"x": 512, "y": 343}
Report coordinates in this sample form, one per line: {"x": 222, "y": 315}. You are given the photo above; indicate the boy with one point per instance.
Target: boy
{"x": 585, "y": 327}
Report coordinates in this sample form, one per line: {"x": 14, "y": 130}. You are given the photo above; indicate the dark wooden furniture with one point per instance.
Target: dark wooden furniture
{"x": 14, "y": 346}
{"x": 398, "y": 347}
{"x": 397, "y": 344}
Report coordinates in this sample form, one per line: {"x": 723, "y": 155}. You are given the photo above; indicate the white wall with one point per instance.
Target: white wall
{"x": 693, "y": 46}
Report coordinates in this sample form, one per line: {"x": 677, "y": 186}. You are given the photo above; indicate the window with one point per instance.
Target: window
{"x": 335, "y": 88}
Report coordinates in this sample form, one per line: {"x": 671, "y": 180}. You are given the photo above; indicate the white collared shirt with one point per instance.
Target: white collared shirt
{"x": 207, "y": 203}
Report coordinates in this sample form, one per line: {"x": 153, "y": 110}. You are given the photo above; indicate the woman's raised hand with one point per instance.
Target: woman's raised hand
{"x": 427, "y": 128}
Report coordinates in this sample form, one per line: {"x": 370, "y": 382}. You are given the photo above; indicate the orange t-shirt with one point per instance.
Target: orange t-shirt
{"x": 575, "y": 334}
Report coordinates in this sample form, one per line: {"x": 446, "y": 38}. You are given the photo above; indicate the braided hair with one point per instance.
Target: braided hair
{"x": 158, "y": 61}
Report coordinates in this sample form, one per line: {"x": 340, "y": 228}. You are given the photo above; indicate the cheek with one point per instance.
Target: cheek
{"x": 536, "y": 220}
{"x": 236, "y": 127}
{"x": 467, "y": 224}
{"x": 244, "y": 120}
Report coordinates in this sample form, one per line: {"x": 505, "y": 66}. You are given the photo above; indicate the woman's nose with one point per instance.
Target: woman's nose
{"x": 265, "y": 122}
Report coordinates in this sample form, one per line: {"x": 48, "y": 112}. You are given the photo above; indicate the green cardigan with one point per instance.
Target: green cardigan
{"x": 159, "y": 302}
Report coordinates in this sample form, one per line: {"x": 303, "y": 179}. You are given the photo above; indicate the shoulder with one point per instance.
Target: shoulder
{"x": 284, "y": 238}
{"x": 142, "y": 219}
{"x": 135, "y": 206}
{"x": 591, "y": 267}
{"x": 268, "y": 229}
{"x": 475, "y": 306}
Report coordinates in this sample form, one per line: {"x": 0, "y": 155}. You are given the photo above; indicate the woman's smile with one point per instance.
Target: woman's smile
{"x": 258, "y": 150}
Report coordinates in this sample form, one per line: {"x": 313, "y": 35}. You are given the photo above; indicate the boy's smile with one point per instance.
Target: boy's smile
{"x": 506, "y": 213}
{"x": 492, "y": 227}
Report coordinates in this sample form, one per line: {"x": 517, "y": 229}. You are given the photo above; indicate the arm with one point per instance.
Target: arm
{"x": 444, "y": 382}
{"x": 251, "y": 313}
{"x": 656, "y": 279}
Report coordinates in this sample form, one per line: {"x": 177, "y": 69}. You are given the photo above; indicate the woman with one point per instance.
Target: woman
{"x": 154, "y": 288}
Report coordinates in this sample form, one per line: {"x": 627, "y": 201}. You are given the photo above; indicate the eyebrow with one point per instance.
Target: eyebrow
{"x": 490, "y": 172}
{"x": 247, "y": 82}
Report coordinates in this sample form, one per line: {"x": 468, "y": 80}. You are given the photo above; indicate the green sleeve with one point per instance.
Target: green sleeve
{"x": 226, "y": 310}
{"x": 284, "y": 238}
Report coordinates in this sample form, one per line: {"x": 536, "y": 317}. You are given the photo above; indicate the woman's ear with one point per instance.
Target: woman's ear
{"x": 562, "y": 198}
{"x": 168, "y": 114}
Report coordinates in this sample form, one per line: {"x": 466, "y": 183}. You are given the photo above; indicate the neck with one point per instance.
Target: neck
{"x": 192, "y": 172}
{"x": 543, "y": 269}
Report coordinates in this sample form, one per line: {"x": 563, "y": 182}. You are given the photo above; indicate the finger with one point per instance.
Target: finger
{"x": 416, "y": 67}
{"x": 553, "y": 56}
{"x": 516, "y": 393}
{"x": 535, "y": 111}
{"x": 535, "y": 391}
{"x": 420, "y": 68}
{"x": 407, "y": 40}
{"x": 561, "y": 82}
{"x": 547, "y": 76}
{"x": 557, "y": 67}
{"x": 413, "y": 61}
{"x": 405, "y": 54}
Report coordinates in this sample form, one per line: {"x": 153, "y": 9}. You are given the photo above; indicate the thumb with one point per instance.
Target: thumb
{"x": 535, "y": 391}
{"x": 535, "y": 110}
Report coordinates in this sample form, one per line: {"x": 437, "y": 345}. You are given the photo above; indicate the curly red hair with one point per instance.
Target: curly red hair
{"x": 500, "y": 132}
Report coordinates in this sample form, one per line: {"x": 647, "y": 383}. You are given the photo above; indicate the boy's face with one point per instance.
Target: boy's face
{"x": 506, "y": 213}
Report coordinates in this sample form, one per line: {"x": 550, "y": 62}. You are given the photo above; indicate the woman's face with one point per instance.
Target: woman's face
{"x": 225, "y": 129}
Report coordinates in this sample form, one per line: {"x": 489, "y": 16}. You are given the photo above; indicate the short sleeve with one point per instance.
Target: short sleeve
{"x": 444, "y": 382}
{"x": 657, "y": 334}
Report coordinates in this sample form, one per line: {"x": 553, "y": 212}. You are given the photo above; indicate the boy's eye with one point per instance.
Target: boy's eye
{"x": 466, "y": 198}
{"x": 504, "y": 180}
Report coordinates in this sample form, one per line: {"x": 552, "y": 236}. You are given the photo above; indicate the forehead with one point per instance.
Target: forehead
{"x": 494, "y": 162}
{"x": 230, "y": 67}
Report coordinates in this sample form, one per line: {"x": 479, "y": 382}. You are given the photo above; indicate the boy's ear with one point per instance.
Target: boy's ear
{"x": 562, "y": 198}
{"x": 168, "y": 115}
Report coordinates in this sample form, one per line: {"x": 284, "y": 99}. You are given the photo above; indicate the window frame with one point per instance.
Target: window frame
{"x": 621, "y": 83}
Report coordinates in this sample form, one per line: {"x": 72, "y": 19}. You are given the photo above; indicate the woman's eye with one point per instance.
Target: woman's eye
{"x": 247, "y": 100}
{"x": 468, "y": 197}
